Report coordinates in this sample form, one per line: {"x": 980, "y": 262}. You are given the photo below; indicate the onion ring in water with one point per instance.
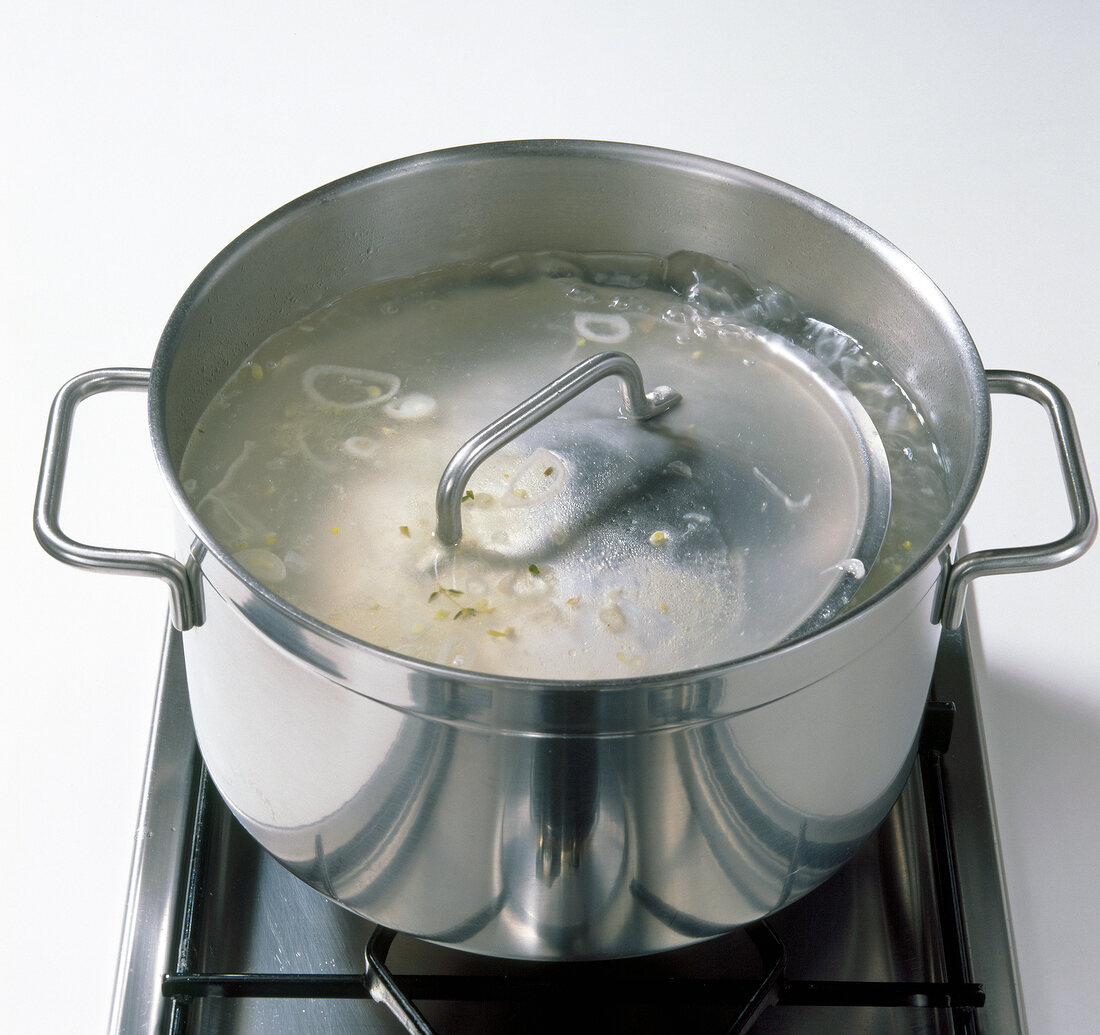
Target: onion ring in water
{"x": 377, "y": 387}
{"x": 360, "y": 446}
{"x": 602, "y": 328}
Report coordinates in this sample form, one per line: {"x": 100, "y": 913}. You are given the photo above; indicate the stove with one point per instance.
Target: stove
{"x": 911, "y": 936}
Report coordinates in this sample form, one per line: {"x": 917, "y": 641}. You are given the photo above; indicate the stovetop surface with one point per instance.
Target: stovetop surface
{"x": 877, "y": 920}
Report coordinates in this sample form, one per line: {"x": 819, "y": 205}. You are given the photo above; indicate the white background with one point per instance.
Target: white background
{"x": 139, "y": 139}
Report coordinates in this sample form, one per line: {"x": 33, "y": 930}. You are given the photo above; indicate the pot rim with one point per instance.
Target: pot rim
{"x": 889, "y": 255}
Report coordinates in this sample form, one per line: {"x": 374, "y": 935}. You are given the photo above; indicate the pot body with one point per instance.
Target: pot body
{"x": 545, "y": 819}
{"x": 565, "y": 822}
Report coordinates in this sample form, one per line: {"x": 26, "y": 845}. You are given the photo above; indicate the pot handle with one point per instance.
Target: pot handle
{"x": 1078, "y": 490}
{"x": 185, "y": 609}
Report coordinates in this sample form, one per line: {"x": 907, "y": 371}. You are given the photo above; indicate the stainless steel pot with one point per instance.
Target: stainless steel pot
{"x": 538, "y": 818}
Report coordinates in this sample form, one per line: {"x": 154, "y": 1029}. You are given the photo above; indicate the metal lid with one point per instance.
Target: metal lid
{"x": 733, "y": 519}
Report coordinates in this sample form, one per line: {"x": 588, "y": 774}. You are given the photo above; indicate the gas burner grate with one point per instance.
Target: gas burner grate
{"x": 745, "y": 1001}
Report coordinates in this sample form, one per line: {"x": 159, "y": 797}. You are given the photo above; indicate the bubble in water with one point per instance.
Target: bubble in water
{"x": 414, "y": 406}
{"x": 852, "y": 566}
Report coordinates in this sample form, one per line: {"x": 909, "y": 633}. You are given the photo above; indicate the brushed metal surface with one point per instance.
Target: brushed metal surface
{"x": 566, "y": 811}
{"x": 159, "y": 864}
{"x": 566, "y": 821}
{"x": 873, "y": 921}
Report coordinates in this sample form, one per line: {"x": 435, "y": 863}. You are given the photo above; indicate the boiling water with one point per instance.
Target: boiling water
{"x": 316, "y": 466}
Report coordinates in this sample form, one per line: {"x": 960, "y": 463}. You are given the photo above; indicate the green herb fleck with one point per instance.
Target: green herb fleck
{"x": 443, "y": 591}
{"x": 466, "y": 612}
{"x": 533, "y": 569}
{"x": 467, "y": 495}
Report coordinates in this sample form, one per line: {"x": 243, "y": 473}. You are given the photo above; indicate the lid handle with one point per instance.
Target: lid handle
{"x": 637, "y": 404}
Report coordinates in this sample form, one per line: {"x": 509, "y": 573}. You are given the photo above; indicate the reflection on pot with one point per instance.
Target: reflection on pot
{"x": 565, "y": 852}
{"x": 446, "y": 822}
